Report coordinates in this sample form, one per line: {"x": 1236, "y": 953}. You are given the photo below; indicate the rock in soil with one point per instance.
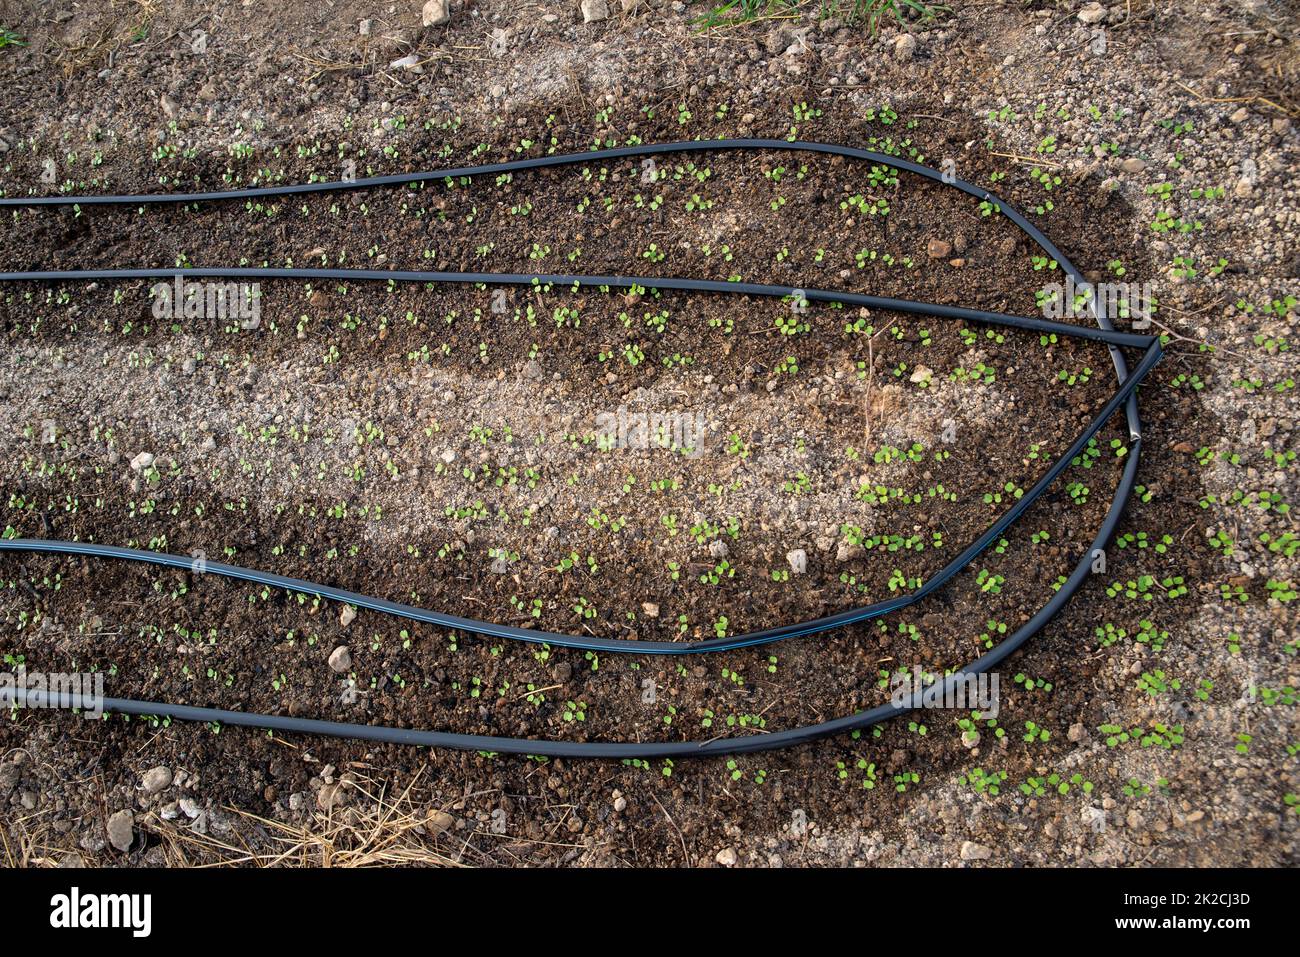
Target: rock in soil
{"x": 340, "y": 660}
{"x": 1092, "y": 14}
{"x": 121, "y": 830}
{"x": 435, "y": 13}
{"x": 157, "y": 779}
{"x": 594, "y": 11}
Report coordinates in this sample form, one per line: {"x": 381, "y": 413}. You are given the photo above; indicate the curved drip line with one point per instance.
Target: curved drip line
{"x": 1125, "y": 395}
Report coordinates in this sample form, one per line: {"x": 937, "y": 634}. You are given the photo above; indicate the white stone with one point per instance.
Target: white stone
{"x": 340, "y": 660}
{"x": 121, "y": 830}
{"x": 157, "y": 779}
{"x": 1091, "y": 14}
{"x": 436, "y": 13}
{"x": 594, "y": 10}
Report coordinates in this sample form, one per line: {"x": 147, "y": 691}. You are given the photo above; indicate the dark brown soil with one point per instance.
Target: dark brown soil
{"x": 415, "y": 371}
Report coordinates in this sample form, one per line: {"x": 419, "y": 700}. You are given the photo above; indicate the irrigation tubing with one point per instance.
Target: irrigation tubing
{"x": 613, "y": 645}
{"x": 1124, "y": 396}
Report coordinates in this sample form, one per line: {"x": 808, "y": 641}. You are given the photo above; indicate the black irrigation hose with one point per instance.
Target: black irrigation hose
{"x": 615, "y": 645}
{"x": 1027, "y": 323}
{"x": 1125, "y": 395}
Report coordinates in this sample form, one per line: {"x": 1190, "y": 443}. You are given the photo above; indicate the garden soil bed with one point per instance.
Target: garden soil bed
{"x": 424, "y": 444}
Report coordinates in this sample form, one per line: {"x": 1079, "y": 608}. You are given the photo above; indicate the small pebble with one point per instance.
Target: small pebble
{"x": 156, "y": 780}
{"x": 593, "y": 11}
{"x": 121, "y": 830}
{"x": 435, "y": 13}
{"x": 340, "y": 660}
